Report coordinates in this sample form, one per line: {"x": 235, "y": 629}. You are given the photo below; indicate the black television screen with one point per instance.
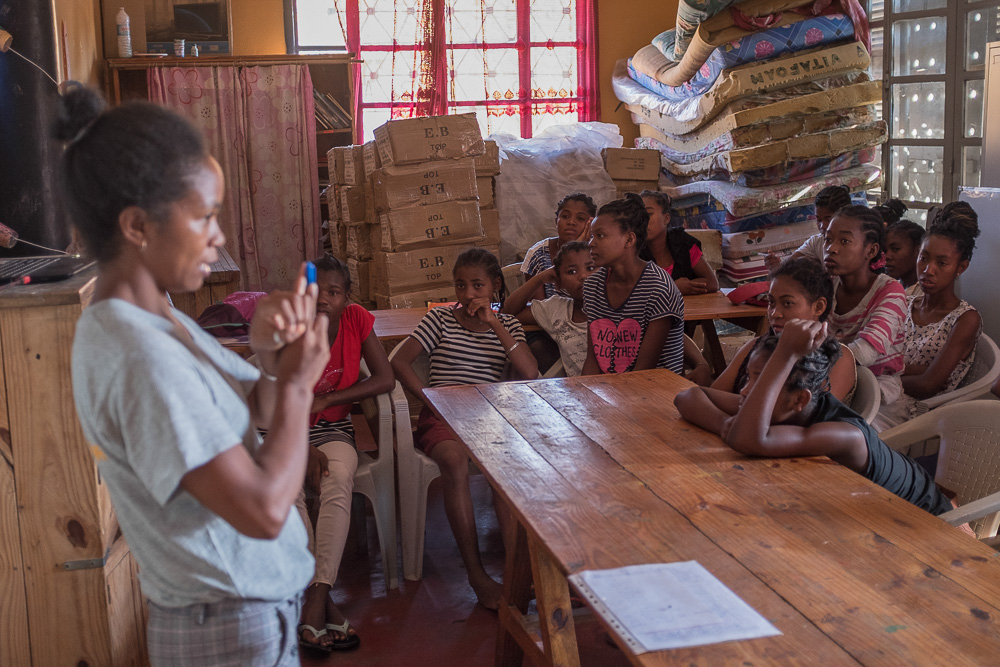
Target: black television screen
{"x": 200, "y": 19}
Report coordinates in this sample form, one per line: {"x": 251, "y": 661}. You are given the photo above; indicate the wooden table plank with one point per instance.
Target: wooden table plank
{"x": 640, "y": 471}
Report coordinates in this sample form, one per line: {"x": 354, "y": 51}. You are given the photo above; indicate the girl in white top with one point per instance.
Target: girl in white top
{"x": 561, "y": 316}
{"x": 941, "y": 330}
{"x": 466, "y": 344}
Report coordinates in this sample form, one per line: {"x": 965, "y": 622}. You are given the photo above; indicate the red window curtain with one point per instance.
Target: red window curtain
{"x": 520, "y": 65}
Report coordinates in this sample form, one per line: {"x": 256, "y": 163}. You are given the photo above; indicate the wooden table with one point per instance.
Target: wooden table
{"x": 392, "y": 326}
{"x": 601, "y": 472}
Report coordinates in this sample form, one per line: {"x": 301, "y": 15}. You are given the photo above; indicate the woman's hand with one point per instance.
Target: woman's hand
{"x": 549, "y": 275}
{"x": 320, "y": 403}
{"x": 282, "y": 316}
{"x": 688, "y": 286}
{"x": 800, "y": 337}
{"x": 481, "y": 310}
{"x": 772, "y": 261}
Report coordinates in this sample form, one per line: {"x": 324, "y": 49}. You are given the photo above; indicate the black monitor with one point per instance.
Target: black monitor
{"x": 203, "y": 19}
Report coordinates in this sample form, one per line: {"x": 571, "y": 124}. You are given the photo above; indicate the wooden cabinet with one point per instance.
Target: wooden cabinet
{"x": 331, "y": 74}
{"x": 68, "y": 588}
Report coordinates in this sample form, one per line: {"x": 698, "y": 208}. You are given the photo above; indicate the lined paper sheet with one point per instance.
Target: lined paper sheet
{"x": 662, "y": 606}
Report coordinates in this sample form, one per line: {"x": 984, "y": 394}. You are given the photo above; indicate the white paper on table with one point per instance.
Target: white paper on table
{"x": 726, "y": 290}
{"x": 662, "y": 606}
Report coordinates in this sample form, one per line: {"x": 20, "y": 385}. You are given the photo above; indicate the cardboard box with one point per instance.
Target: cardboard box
{"x": 486, "y": 194}
{"x": 361, "y": 284}
{"x": 338, "y": 241}
{"x": 423, "y": 184}
{"x": 372, "y": 162}
{"x": 346, "y": 165}
{"x": 623, "y": 187}
{"x": 353, "y": 204}
{"x": 413, "y": 270}
{"x": 370, "y": 213}
{"x": 435, "y": 224}
{"x": 490, "y": 217}
{"x": 415, "y": 299}
{"x": 359, "y": 242}
{"x": 415, "y": 140}
{"x": 632, "y": 164}
{"x": 488, "y": 164}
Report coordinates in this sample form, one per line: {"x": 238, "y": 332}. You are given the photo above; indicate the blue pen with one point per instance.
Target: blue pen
{"x": 310, "y": 273}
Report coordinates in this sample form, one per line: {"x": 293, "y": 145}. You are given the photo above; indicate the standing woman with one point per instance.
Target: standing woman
{"x": 205, "y": 506}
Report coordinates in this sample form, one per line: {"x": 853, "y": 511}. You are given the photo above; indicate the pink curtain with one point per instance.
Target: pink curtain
{"x": 258, "y": 122}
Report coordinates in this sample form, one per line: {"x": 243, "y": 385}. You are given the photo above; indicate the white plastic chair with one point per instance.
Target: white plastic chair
{"x": 867, "y": 397}
{"x": 375, "y": 479}
{"x": 416, "y": 471}
{"x": 512, "y": 277}
{"x": 977, "y": 382}
{"x": 968, "y": 458}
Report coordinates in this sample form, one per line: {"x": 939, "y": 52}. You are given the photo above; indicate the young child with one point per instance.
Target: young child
{"x": 902, "y": 241}
{"x": 829, "y": 200}
{"x": 674, "y": 250}
{"x": 573, "y": 216}
{"x": 869, "y": 307}
{"x": 941, "y": 330}
{"x": 635, "y": 312}
{"x": 800, "y": 290}
{"x": 561, "y": 316}
{"x": 332, "y": 457}
{"x": 783, "y": 411}
{"x": 466, "y": 344}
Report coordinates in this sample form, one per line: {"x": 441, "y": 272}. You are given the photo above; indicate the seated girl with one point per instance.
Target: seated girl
{"x": 674, "y": 250}
{"x": 635, "y": 313}
{"x": 800, "y": 290}
{"x": 333, "y": 459}
{"x": 829, "y": 200}
{"x": 783, "y": 411}
{"x": 941, "y": 330}
{"x": 573, "y": 216}
{"x": 869, "y": 307}
{"x": 466, "y": 344}
{"x": 902, "y": 242}
{"x": 560, "y": 315}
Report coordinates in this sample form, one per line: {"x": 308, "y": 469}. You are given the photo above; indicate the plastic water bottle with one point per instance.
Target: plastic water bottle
{"x": 124, "y": 34}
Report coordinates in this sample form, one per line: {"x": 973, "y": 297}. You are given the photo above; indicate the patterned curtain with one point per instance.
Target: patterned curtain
{"x": 258, "y": 122}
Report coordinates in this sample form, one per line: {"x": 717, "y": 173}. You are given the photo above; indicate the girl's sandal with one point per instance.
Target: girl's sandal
{"x": 313, "y": 645}
{"x": 348, "y": 641}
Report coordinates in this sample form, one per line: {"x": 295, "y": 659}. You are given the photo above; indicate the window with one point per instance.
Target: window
{"x": 519, "y": 65}
{"x": 933, "y": 94}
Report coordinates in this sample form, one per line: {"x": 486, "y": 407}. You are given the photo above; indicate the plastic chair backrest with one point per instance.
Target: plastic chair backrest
{"x": 512, "y": 277}
{"x": 977, "y": 382}
{"x": 867, "y": 397}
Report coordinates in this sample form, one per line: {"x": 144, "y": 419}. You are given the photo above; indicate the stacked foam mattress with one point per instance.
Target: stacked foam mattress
{"x": 755, "y": 107}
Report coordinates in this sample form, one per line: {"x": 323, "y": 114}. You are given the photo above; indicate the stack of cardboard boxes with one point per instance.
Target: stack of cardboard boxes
{"x": 426, "y": 198}
{"x": 632, "y": 169}
{"x": 487, "y": 170}
{"x": 355, "y": 237}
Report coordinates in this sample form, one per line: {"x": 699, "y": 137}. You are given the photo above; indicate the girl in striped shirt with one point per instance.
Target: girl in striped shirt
{"x": 466, "y": 344}
{"x": 635, "y": 312}
{"x": 869, "y": 306}
{"x": 573, "y": 216}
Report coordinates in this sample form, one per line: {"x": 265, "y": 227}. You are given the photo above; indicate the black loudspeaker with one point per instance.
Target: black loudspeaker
{"x": 29, "y": 156}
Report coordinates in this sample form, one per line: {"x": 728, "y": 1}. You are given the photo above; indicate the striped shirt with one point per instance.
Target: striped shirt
{"x": 460, "y": 356}
{"x": 616, "y": 333}
{"x": 875, "y": 330}
{"x": 538, "y": 259}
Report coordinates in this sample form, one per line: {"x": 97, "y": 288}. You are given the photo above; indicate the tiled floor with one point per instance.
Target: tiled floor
{"x": 435, "y": 621}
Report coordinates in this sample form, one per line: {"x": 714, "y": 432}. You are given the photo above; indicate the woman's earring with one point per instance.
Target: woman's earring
{"x": 142, "y": 246}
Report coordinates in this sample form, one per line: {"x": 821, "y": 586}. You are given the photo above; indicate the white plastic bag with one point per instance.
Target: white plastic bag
{"x": 536, "y": 173}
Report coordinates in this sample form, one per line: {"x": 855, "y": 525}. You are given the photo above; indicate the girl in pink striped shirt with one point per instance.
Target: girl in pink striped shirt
{"x": 869, "y": 306}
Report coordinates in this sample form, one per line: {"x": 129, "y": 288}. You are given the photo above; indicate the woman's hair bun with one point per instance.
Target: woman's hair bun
{"x": 79, "y": 106}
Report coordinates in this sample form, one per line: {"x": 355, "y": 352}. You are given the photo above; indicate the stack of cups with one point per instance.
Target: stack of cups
{"x": 179, "y": 48}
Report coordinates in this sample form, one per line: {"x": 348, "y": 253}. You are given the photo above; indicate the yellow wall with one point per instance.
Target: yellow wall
{"x": 82, "y": 20}
{"x": 258, "y": 27}
{"x": 620, "y": 34}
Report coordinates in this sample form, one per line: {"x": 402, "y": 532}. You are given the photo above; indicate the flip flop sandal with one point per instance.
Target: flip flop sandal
{"x": 348, "y": 642}
{"x": 313, "y": 645}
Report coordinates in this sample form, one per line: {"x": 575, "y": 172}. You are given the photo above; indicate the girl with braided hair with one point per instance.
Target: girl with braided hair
{"x": 785, "y": 412}
{"x": 941, "y": 330}
{"x": 869, "y": 306}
